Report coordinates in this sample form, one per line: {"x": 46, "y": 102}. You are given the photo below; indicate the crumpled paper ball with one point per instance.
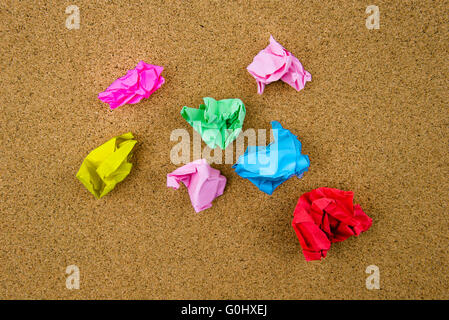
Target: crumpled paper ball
{"x": 137, "y": 84}
{"x": 326, "y": 215}
{"x": 203, "y": 183}
{"x": 267, "y": 167}
{"x": 107, "y": 165}
{"x": 274, "y": 63}
{"x": 218, "y": 122}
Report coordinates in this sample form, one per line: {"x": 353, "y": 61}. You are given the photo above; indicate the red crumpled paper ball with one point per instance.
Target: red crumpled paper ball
{"x": 326, "y": 215}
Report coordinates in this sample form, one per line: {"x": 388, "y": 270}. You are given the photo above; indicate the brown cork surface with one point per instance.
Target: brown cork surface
{"x": 373, "y": 120}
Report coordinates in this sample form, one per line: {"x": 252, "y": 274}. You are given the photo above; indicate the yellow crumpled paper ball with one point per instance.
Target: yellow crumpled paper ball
{"x": 107, "y": 165}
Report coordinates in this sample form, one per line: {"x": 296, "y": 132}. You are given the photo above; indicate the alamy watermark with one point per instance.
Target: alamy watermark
{"x": 373, "y": 20}
{"x": 189, "y": 147}
{"x": 373, "y": 280}
{"x": 73, "y": 20}
{"x": 73, "y": 280}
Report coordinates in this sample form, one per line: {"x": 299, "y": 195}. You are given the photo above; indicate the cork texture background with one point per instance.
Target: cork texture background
{"x": 373, "y": 120}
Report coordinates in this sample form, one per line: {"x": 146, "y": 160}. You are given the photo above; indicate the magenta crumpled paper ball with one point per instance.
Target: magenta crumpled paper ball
{"x": 274, "y": 63}
{"x": 138, "y": 83}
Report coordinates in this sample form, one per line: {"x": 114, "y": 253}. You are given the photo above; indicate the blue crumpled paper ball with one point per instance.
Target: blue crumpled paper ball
{"x": 267, "y": 167}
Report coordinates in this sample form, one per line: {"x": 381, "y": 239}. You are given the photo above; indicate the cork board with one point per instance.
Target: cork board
{"x": 373, "y": 120}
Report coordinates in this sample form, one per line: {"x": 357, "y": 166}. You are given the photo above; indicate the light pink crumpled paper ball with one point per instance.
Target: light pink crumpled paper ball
{"x": 203, "y": 183}
{"x": 274, "y": 63}
{"x": 138, "y": 83}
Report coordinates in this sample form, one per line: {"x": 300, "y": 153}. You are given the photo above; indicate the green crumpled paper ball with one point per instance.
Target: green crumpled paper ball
{"x": 107, "y": 165}
{"x": 218, "y": 122}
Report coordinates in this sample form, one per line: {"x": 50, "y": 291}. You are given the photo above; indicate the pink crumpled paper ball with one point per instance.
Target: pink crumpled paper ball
{"x": 203, "y": 182}
{"x": 274, "y": 63}
{"x": 138, "y": 83}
